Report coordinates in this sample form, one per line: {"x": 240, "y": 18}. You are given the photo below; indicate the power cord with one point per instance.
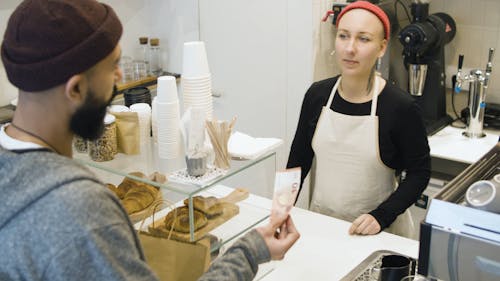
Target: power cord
{"x": 404, "y": 7}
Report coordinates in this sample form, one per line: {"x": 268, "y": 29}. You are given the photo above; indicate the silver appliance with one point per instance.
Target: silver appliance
{"x": 478, "y": 83}
{"x": 419, "y": 209}
{"x": 458, "y": 242}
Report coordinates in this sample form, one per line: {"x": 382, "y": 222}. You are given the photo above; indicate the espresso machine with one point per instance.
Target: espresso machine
{"x": 459, "y": 241}
{"x": 423, "y": 43}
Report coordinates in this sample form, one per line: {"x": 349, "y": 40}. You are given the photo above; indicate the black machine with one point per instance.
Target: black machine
{"x": 423, "y": 51}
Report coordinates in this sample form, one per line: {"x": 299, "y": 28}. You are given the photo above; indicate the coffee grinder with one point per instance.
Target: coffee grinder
{"x": 423, "y": 43}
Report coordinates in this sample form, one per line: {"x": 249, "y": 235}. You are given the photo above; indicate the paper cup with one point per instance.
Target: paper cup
{"x": 194, "y": 60}
{"x": 167, "y": 89}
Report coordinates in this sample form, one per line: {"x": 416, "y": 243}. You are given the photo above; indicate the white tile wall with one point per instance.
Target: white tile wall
{"x": 478, "y": 29}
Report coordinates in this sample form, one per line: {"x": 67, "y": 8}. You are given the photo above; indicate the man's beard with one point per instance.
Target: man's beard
{"x": 88, "y": 120}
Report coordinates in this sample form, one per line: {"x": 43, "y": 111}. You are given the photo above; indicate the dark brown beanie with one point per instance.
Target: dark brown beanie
{"x": 48, "y": 41}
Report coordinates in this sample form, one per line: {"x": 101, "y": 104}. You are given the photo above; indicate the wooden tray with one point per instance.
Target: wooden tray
{"x": 158, "y": 227}
{"x": 148, "y": 211}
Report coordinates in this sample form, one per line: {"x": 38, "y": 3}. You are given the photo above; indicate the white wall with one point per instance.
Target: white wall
{"x": 7, "y": 91}
{"x": 173, "y": 21}
{"x": 260, "y": 56}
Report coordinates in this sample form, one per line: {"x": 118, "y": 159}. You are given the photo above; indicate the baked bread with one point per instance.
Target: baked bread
{"x": 210, "y": 206}
{"x": 118, "y": 192}
{"x": 179, "y": 220}
{"x": 125, "y": 185}
{"x": 139, "y": 197}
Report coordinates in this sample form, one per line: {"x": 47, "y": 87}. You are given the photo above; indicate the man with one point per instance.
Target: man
{"x": 57, "y": 221}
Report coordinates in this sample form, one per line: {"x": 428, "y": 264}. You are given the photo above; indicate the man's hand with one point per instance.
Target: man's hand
{"x": 365, "y": 225}
{"x": 279, "y": 234}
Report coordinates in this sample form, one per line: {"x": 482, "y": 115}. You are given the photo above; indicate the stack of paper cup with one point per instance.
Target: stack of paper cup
{"x": 144, "y": 114}
{"x": 196, "y": 79}
{"x": 168, "y": 118}
{"x": 118, "y": 108}
{"x": 154, "y": 122}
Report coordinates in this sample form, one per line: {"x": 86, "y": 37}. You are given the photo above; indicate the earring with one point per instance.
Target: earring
{"x": 378, "y": 64}
{"x": 332, "y": 53}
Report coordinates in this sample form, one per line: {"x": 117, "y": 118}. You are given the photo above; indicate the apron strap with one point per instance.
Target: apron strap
{"x": 330, "y": 99}
{"x": 375, "y": 94}
{"x": 376, "y": 83}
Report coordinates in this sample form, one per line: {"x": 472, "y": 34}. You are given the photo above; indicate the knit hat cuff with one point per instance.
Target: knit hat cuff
{"x": 53, "y": 71}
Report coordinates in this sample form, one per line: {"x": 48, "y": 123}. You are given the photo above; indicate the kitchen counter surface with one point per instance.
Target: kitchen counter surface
{"x": 450, "y": 144}
{"x": 325, "y": 251}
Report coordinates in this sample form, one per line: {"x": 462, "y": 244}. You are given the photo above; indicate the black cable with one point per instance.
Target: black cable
{"x": 457, "y": 117}
{"x": 404, "y": 7}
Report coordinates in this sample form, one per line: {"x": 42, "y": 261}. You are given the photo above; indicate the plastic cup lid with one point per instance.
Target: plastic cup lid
{"x": 109, "y": 119}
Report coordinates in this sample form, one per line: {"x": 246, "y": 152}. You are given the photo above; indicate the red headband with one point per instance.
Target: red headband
{"x": 374, "y": 9}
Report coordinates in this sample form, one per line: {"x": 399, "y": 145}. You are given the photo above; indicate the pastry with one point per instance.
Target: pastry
{"x": 179, "y": 218}
{"x": 118, "y": 192}
{"x": 127, "y": 182}
{"x": 210, "y": 206}
{"x": 139, "y": 197}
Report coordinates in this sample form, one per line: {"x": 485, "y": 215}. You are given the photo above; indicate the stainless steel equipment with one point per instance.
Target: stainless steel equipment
{"x": 458, "y": 242}
{"x": 478, "y": 83}
{"x": 364, "y": 271}
{"x": 423, "y": 43}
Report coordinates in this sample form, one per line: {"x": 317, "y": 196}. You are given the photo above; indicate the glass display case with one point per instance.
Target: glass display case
{"x": 239, "y": 212}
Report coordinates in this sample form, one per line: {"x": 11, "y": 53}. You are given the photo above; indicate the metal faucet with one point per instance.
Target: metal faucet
{"x": 478, "y": 83}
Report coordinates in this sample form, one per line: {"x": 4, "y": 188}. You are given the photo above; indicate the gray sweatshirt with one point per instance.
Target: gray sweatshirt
{"x": 58, "y": 222}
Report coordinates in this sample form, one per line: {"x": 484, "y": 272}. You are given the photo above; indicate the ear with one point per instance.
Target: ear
{"x": 383, "y": 48}
{"x": 76, "y": 89}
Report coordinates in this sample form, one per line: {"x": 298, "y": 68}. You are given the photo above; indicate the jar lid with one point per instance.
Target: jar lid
{"x": 136, "y": 91}
{"x": 154, "y": 42}
{"x": 140, "y": 106}
{"x": 109, "y": 119}
{"x": 143, "y": 40}
{"x": 118, "y": 108}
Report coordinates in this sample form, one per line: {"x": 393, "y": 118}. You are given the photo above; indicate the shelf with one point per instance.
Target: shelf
{"x": 147, "y": 162}
{"x": 252, "y": 211}
{"x": 144, "y": 82}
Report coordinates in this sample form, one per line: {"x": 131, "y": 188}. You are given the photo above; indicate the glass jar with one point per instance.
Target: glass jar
{"x": 155, "y": 57}
{"x": 105, "y": 147}
{"x": 80, "y": 144}
{"x": 144, "y": 52}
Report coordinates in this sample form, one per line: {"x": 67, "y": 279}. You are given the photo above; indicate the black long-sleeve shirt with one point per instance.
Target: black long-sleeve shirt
{"x": 402, "y": 140}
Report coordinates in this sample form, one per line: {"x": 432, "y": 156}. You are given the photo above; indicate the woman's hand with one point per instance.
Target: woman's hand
{"x": 365, "y": 225}
{"x": 279, "y": 234}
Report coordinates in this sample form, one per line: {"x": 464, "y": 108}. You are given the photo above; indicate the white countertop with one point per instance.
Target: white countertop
{"x": 450, "y": 144}
{"x": 325, "y": 250}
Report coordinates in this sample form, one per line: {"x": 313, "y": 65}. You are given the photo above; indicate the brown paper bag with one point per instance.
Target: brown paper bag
{"x": 173, "y": 260}
{"x": 127, "y": 132}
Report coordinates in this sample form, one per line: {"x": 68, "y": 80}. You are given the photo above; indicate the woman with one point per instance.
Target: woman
{"x": 362, "y": 133}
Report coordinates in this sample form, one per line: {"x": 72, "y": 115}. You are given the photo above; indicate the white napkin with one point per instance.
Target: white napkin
{"x": 244, "y": 146}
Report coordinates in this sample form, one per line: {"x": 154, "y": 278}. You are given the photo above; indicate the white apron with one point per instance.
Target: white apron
{"x": 350, "y": 178}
